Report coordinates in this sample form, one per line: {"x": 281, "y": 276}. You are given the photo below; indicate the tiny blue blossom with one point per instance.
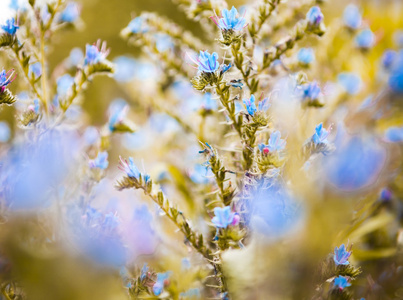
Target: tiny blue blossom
{"x": 365, "y": 39}
{"x": 314, "y": 16}
{"x": 5, "y": 79}
{"x": 137, "y": 25}
{"x": 223, "y": 217}
{"x": 250, "y": 105}
{"x": 207, "y": 62}
{"x": 76, "y": 56}
{"x": 200, "y": 174}
{"x": 129, "y": 168}
{"x": 341, "y": 255}
{"x": 306, "y": 56}
{"x": 311, "y": 91}
{"x": 71, "y": 13}
{"x": 229, "y": 20}
{"x": 352, "y": 16}
{"x": 351, "y": 82}
{"x": 5, "y": 132}
{"x": 225, "y": 68}
{"x": 388, "y": 58}
{"x": 396, "y": 75}
{"x": 275, "y": 143}
{"x": 91, "y": 135}
{"x": 386, "y": 195}
{"x": 163, "y": 42}
{"x": 64, "y": 84}
{"x": 35, "y": 107}
{"x": 94, "y": 54}
{"x": 341, "y": 282}
{"x": 208, "y": 102}
{"x": 320, "y": 135}
{"x": 144, "y": 271}
{"x": 117, "y": 113}
{"x": 394, "y": 134}
{"x": 160, "y": 283}
{"x": 100, "y": 162}
{"x": 10, "y": 26}
{"x": 36, "y": 69}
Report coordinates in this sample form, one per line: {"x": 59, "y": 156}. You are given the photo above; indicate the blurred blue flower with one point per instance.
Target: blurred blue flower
{"x": 396, "y": 75}
{"x": 314, "y": 16}
{"x": 5, "y": 79}
{"x": 264, "y": 104}
{"x": 76, "y": 56}
{"x": 100, "y": 162}
{"x": 320, "y": 135}
{"x": 125, "y": 68}
{"x": 10, "y": 26}
{"x": 160, "y": 282}
{"x": 386, "y": 195}
{"x": 306, "y": 56}
{"x": 310, "y": 91}
{"x": 352, "y": 16}
{"x": 341, "y": 255}
{"x": 163, "y": 42}
{"x": 129, "y": 168}
{"x": 341, "y": 282}
{"x": 117, "y": 112}
{"x": 276, "y": 143}
{"x": 144, "y": 270}
{"x": 5, "y": 132}
{"x": 394, "y": 134}
{"x": 64, "y": 84}
{"x": 388, "y": 58}
{"x": 229, "y": 20}
{"x": 94, "y": 55}
{"x": 351, "y": 82}
{"x": 223, "y": 217}
{"x": 250, "y": 105}
{"x": 35, "y": 107}
{"x": 355, "y": 164}
{"x": 200, "y": 174}
{"x": 365, "y": 39}
{"x": 71, "y": 13}
{"x": 208, "y": 102}
{"x": 91, "y": 135}
{"x": 36, "y": 69}
{"x": 137, "y": 25}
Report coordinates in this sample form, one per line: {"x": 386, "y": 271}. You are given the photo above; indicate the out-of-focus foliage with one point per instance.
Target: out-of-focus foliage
{"x": 201, "y": 149}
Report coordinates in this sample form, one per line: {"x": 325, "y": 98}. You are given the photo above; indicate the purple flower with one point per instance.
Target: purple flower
{"x": 320, "y": 135}
{"x": 5, "y": 79}
{"x": 352, "y": 16}
{"x": 306, "y": 56}
{"x": 100, "y": 162}
{"x": 341, "y": 282}
{"x": 365, "y": 39}
{"x": 10, "y": 27}
{"x": 250, "y": 105}
{"x": 223, "y": 217}
{"x": 314, "y": 16}
{"x": 341, "y": 256}
{"x": 229, "y": 20}
{"x": 95, "y": 53}
{"x": 206, "y": 62}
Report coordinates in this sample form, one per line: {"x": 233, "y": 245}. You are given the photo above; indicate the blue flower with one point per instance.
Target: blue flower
{"x": 35, "y": 107}
{"x": 223, "y": 217}
{"x": 388, "y": 58}
{"x": 5, "y": 132}
{"x": 144, "y": 271}
{"x": 320, "y": 135}
{"x": 91, "y": 135}
{"x": 264, "y": 104}
{"x": 126, "y": 68}
{"x": 100, "y": 162}
{"x": 351, "y": 82}
{"x": 341, "y": 282}
{"x": 352, "y": 16}
{"x": 396, "y": 75}
{"x": 200, "y": 174}
{"x": 365, "y": 39}
{"x": 76, "y": 56}
{"x": 229, "y": 20}
{"x": 208, "y": 102}
{"x": 311, "y": 91}
{"x": 163, "y": 42}
{"x": 10, "y": 27}
{"x": 250, "y": 105}
{"x": 64, "y": 84}
{"x": 207, "y": 62}
{"x": 394, "y": 134}
{"x": 94, "y": 54}
{"x": 160, "y": 283}
{"x": 137, "y": 25}
{"x": 5, "y": 79}
{"x": 314, "y": 16}
{"x": 355, "y": 164}
{"x": 306, "y": 56}
{"x": 70, "y": 13}
{"x": 275, "y": 143}
{"x": 36, "y": 69}
{"x": 117, "y": 112}
{"x": 129, "y": 168}
{"x": 341, "y": 256}
{"x": 386, "y": 195}
{"x": 225, "y": 68}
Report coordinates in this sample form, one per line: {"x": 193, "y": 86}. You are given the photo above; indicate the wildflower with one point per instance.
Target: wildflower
{"x": 100, "y": 162}
{"x": 207, "y": 62}
{"x": 144, "y": 271}
{"x": 117, "y": 115}
{"x": 129, "y": 168}
{"x": 352, "y": 16}
{"x": 351, "y": 82}
{"x": 275, "y": 143}
{"x": 306, "y": 56}
{"x": 236, "y": 83}
{"x": 229, "y": 20}
{"x": 162, "y": 280}
{"x": 5, "y": 79}
{"x": 137, "y": 25}
{"x": 396, "y": 76}
{"x": 223, "y": 217}
{"x": 36, "y": 69}
{"x": 311, "y": 91}
{"x": 64, "y": 84}
{"x": 320, "y": 135}
{"x": 394, "y": 134}
{"x": 209, "y": 104}
{"x": 341, "y": 282}
{"x": 314, "y": 16}
{"x": 95, "y": 53}
{"x": 71, "y": 13}
{"x": 34, "y": 107}
{"x": 386, "y": 195}
{"x": 365, "y": 39}
{"x": 341, "y": 256}
{"x": 250, "y": 105}
{"x": 10, "y": 27}
{"x": 5, "y": 132}
{"x": 163, "y": 42}
{"x": 225, "y": 68}
{"x": 91, "y": 135}
{"x": 388, "y": 58}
